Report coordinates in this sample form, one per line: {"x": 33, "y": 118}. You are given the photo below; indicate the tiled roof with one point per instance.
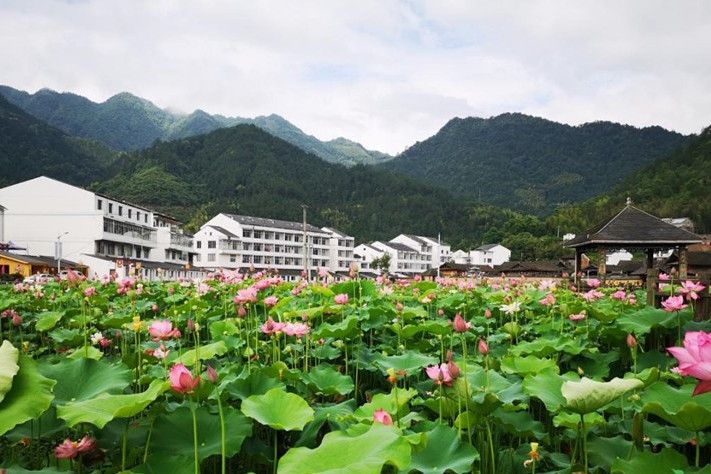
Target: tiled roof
{"x": 224, "y": 231}
{"x": 38, "y": 259}
{"x": 487, "y": 247}
{"x": 633, "y": 226}
{"x": 400, "y": 247}
{"x": 264, "y": 222}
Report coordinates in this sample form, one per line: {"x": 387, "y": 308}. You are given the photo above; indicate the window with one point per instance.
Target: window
{"x": 145, "y": 218}
{"x": 247, "y": 233}
{"x": 98, "y": 204}
{"x": 233, "y": 258}
{"x": 210, "y": 257}
{"x": 211, "y": 244}
{"x": 197, "y": 258}
{"x": 111, "y": 207}
{"x": 130, "y": 211}
{"x": 120, "y": 210}
{"x": 138, "y": 215}
{"x": 198, "y": 244}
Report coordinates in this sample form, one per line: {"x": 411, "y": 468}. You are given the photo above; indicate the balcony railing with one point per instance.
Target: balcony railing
{"x": 181, "y": 240}
{"x": 128, "y": 231}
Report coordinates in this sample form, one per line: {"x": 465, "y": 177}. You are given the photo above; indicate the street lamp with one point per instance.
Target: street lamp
{"x": 58, "y": 251}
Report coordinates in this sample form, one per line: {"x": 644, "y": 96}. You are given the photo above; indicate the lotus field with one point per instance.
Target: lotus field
{"x": 248, "y": 373}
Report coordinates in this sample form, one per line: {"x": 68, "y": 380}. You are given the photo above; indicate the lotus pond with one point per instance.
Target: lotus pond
{"x": 252, "y": 374}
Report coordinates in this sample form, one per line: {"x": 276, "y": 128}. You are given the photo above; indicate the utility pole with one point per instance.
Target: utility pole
{"x": 306, "y": 246}
{"x": 439, "y": 249}
{"x": 58, "y": 251}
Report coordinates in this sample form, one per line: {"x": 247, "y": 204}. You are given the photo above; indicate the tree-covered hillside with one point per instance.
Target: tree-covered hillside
{"x": 128, "y": 123}
{"x": 30, "y": 148}
{"x": 675, "y": 186}
{"x": 530, "y": 163}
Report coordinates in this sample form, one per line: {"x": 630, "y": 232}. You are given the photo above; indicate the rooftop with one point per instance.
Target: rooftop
{"x": 224, "y": 231}
{"x": 486, "y": 247}
{"x": 38, "y": 259}
{"x": 635, "y": 228}
{"x": 265, "y": 222}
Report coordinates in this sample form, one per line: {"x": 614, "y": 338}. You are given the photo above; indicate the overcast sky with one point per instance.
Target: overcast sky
{"x": 383, "y": 73}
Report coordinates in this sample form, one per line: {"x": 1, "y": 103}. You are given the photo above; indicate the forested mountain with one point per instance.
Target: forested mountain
{"x": 128, "y": 123}
{"x": 30, "y": 147}
{"x": 530, "y": 163}
{"x": 675, "y": 186}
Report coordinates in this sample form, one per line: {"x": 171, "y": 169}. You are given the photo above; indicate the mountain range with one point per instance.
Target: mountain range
{"x": 126, "y": 122}
{"x": 532, "y": 164}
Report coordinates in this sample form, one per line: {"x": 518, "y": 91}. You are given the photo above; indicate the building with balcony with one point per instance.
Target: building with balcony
{"x": 172, "y": 244}
{"x": 105, "y": 234}
{"x": 435, "y": 251}
{"x": 244, "y": 242}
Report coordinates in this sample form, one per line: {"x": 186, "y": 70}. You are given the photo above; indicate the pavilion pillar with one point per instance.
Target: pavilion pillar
{"x": 602, "y": 264}
{"x": 576, "y": 268}
{"x": 651, "y": 278}
{"x": 683, "y": 262}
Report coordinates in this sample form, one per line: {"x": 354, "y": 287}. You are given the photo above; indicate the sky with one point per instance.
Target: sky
{"x": 383, "y": 73}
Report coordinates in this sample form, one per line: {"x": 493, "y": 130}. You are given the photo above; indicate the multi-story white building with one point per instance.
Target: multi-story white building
{"x": 403, "y": 259}
{"x": 105, "y": 234}
{"x": 245, "y": 242}
{"x": 490, "y": 254}
{"x": 172, "y": 244}
{"x": 435, "y": 251}
{"x": 364, "y": 255}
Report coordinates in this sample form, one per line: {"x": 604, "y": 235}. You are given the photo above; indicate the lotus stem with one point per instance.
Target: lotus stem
{"x": 195, "y": 437}
{"x": 223, "y": 447}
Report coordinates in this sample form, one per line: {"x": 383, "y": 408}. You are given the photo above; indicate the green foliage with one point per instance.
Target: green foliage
{"x": 29, "y": 397}
{"x": 532, "y": 164}
{"x": 279, "y": 410}
{"x": 8, "y": 367}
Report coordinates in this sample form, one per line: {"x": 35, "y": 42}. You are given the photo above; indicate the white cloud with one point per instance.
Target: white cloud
{"x": 384, "y": 73}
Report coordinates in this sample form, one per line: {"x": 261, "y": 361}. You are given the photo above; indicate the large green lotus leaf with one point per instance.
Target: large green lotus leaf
{"x": 29, "y": 397}
{"x": 335, "y": 415}
{"x": 21, "y": 470}
{"x": 48, "y": 320}
{"x": 86, "y": 352}
{"x": 340, "y": 453}
{"x": 208, "y": 351}
{"x": 519, "y": 423}
{"x": 8, "y": 367}
{"x": 279, "y": 409}
{"x": 548, "y": 345}
{"x": 173, "y": 432}
{"x": 572, "y": 420}
{"x": 412, "y": 362}
{"x": 354, "y": 288}
{"x": 667, "y": 460}
{"x": 100, "y": 410}
{"x": 678, "y": 406}
{"x": 256, "y": 383}
{"x": 588, "y": 395}
{"x": 526, "y": 365}
{"x": 387, "y": 402}
{"x": 328, "y": 381}
{"x": 444, "y": 452}
{"x": 83, "y": 379}
{"x": 604, "y": 451}
{"x": 644, "y": 320}
{"x": 436, "y": 327}
{"x": 346, "y": 328}
{"x": 546, "y": 386}
{"x": 160, "y": 462}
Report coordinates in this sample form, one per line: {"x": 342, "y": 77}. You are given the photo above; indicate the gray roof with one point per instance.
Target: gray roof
{"x": 337, "y": 232}
{"x": 264, "y": 222}
{"x": 416, "y": 239}
{"x": 487, "y": 247}
{"x": 39, "y": 259}
{"x": 224, "y": 231}
{"x": 634, "y": 227}
{"x": 401, "y": 247}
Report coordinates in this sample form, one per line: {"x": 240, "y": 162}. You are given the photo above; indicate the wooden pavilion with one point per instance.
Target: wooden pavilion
{"x": 633, "y": 229}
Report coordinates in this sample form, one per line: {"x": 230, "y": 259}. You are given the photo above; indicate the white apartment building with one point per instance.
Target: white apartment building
{"x": 490, "y": 255}
{"x": 245, "y": 242}
{"x": 403, "y": 259}
{"x": 172, "y": 244}
{"x": 435, "y": 251}
{"x": 364, "y": 255}
{"x": 105, "y": 234}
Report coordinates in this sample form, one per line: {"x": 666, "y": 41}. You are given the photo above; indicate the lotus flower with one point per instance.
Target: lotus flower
{"x": 592, "y": 295}
{"x": 381, "y": 416}
{"x": 182, "y": 380}
{"x": 578, "y": 317}
{"x": 548, "y": 300}
{"x": 89, "y": 292}
{"x": 69, "y": 449}
{"x": 212, "y": 374}
{"x": 691, "y": 290}
{"x": 483, "y": 347}
{"x": 512, "y": 308}
{"x": 674, "y": 303}
{"x": 440, "y": 374}
{"x": 695, "y": 359}
{"x": 341, "y": 298}
{"x": 459, "y": 324}
{"x": 272, "y": 327}
{"x": 631, "y": 341}
{"x": 664, "y": 277}
{"x": 453, "y": 369}
{"x": 246, "y": 295}
{"x": 162, "y": 329}
{"x": 296, "y": 329}
{"x": 619, "y": 295}
{"x": 592, "y": 282}
{"x": 270, "y": 301}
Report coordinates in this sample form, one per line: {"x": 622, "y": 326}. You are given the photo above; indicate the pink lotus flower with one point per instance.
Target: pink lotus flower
{"x": 212, "y": 374}
{"x": 162, "y": 329}
{"x": 161, "y": 353}
{"x": 619, "y": 295}
{"x": 381, "y": 416}
{"x": 272, "y": 327}
{"x": 296, "y": 329}
{"x": 89, "y": 292}
{"x": 323, "y": 272}
{"x": 270, "y": 301}
{"x": 246, "y": 295}
{"x": 691, "y": 290}
{"x": 483, "y": 347}
{"x": 695, "y": 359}
{"x": 341, "y": 298}
{"x": 440, "y": 374}
{"x": 241, "y": 311}
{"x": 577, "y": 317}
{"x": 16, "y": 319}
{"x": 69, "y": 449}
{"x": 182, "y": 380}
{"x": 592, "y": 282}
{"x": 664, "y": 277}
{"x": 592, "y": 295}
{"x": 674, "y": 303}
{"x": 631, "y": 341}
{"x": 548, "y": 300}
{"x": 487, "y": 313}
{"x": 453, "y": 369}
{"x": 399, "y": 307}
{"x": 459, "y": 324}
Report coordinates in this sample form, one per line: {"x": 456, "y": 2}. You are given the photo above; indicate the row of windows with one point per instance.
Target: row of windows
{"x": 120, "y": 209}
{"x": 114, "y": 249}
{"x": 127, "y": 229}
{"x": 287, "y": 237}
